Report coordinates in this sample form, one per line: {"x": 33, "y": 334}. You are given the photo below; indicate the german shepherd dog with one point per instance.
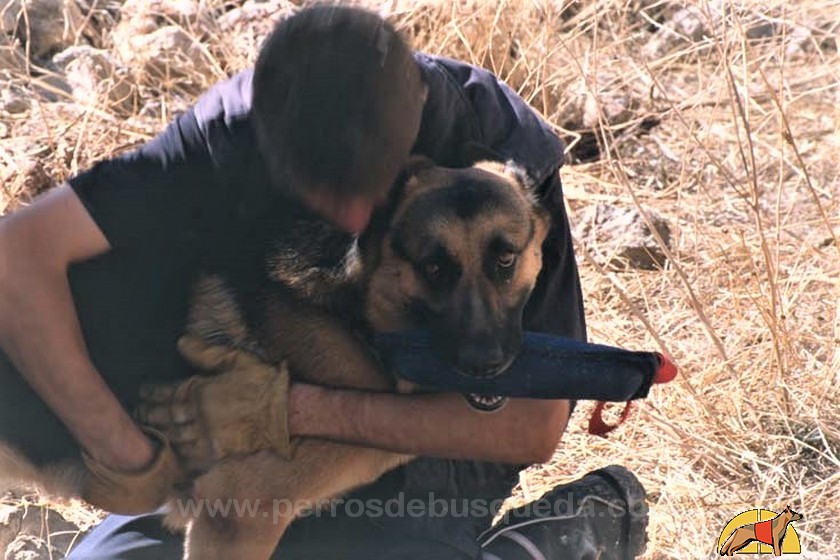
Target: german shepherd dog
{"x": 457, "y": 253}
{"x": 771, "y": 531}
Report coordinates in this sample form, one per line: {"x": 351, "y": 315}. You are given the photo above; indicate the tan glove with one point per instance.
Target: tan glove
{"x": 133, "y": 492}
{"x": 240, "y": 410}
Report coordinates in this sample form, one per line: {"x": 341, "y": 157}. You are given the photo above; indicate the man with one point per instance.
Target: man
{"x": 94, "y": 275}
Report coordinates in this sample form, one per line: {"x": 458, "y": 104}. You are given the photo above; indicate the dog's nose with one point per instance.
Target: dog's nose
{"x": 481, "y": 360}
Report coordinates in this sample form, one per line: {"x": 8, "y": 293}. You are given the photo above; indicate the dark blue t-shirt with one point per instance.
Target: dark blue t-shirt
{"x": 165, "y": 206}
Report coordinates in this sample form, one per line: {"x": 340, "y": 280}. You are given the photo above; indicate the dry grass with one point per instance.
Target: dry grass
{"x": 745, "y": 163}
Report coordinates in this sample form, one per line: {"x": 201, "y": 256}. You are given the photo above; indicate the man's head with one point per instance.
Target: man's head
{"x": 337, "y": 105}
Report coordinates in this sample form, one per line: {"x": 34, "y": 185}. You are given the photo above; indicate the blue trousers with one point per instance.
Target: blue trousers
{"x": 143, "y": 538}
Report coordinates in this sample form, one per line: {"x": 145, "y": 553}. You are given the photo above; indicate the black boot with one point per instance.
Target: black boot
{"x": 601, "y": 516}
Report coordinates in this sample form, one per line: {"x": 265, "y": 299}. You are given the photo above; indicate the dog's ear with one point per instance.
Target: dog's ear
{"x": 370, "y": 241}
{"x": 517, "y": 176}
{"x": 416, "y": 164}
{"x": 420, "y": 173}
{"x": 511, "y": 171}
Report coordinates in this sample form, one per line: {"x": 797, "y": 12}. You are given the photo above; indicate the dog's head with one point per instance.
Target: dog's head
{"x": 459, "y": 258}
{"x": 794, "y": 516}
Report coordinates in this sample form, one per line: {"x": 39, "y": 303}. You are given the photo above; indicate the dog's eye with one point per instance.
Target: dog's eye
{"x": 440, "y": 271}
{"x": 506, "y": 260}
{"x": 432, "y": 269}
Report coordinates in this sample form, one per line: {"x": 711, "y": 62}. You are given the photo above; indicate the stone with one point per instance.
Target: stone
{"x": 96, "y": 78}
{"x": 10, "y": 521}
{"x": 161, "y": 40}
{"x": 147, "y": 15}
{"x": 590, "y": 98}
{"x": 619, "y": 238}
{"x": 35, "y": 533}
{"x": 23, "y": 177}
{"x": 685, "y": 26}
{"x": 12, "y": 56}
{"x": 615, "y": 107}
{"x": 48, "y": 26}
{"x": 244, "y": 28}
{"x": 14, "y": 98}
{"x": 166, "y": 53}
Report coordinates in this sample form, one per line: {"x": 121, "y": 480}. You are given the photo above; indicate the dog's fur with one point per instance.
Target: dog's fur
{"x": 745, "y": 534}
{"x": 458, "y": 254}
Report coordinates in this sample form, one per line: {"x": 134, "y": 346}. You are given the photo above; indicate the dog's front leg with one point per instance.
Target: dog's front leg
{"x": 249, "y": 537}
{"x": 234, "y": 515}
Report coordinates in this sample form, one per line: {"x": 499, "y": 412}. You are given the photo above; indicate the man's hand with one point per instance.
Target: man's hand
{"x": 238, "y": 411}
{"x": 132, "y": 492}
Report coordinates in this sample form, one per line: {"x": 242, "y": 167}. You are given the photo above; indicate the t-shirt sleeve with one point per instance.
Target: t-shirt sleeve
{"x": 148, "y": 195}
{"x": 556, "y": 305}
{"x": 505, "y": 123}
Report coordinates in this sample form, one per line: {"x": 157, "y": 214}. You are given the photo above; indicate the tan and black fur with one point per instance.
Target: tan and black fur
{"x": 458, "y": 254}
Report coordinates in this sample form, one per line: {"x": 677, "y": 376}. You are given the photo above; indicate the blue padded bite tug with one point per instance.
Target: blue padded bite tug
{"x": 548, "y": 367}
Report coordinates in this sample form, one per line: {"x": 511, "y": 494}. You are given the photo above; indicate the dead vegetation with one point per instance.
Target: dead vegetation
{"x": 723, "y": 117}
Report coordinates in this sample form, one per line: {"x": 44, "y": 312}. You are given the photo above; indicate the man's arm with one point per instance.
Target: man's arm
{"x": 39, "y": 327}
{"x": 439, "y": 425}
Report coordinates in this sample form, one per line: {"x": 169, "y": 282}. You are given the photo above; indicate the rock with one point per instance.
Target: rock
{"x": 160, "y": 41}
{"x": 686, "y": 26}
{"x": 590, "y": 97}
{"x": 14, "y": 99}
{"x": 244, "y": 28}
{"x": 12, "y": 56}
{"x": 829, "y": 36}
{"x": 23, "y": 178}
{"x": 621, "y": 239}
{"x": 802, "y": 39}
{"x": 37, "y": 532}
{"x": 52, "y": 87}
{"x": 10, "y": 520}
{"x": 689, "y": 27}
{"x": 616, "y": 107}
{"x": 258, "y": 17}
{"x": 760, "y": 30}
{"x": 799, "y": 40}
{"x": 33, "y": 178}
{"x": 49, "y": 25}
{"x": 144, "y": 16}
{"x": 96, "y": 78}
{"x": 165, "y": 54}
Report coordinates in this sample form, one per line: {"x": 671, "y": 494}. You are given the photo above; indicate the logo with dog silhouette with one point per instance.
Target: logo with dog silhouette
{"x": 761, "y": 531}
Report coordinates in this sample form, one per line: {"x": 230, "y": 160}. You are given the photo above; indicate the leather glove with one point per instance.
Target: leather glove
{"x": 238, "y": 411}
{"x": 133, "y": 492}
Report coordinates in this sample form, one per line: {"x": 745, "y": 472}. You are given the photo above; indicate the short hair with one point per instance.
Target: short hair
{"x": 337, "y": 101}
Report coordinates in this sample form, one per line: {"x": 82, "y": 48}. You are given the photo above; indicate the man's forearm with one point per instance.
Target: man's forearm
{"x": 40, "y": 332}
{"x": 440, "y": 425}
{"x": 46, "y": 346}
